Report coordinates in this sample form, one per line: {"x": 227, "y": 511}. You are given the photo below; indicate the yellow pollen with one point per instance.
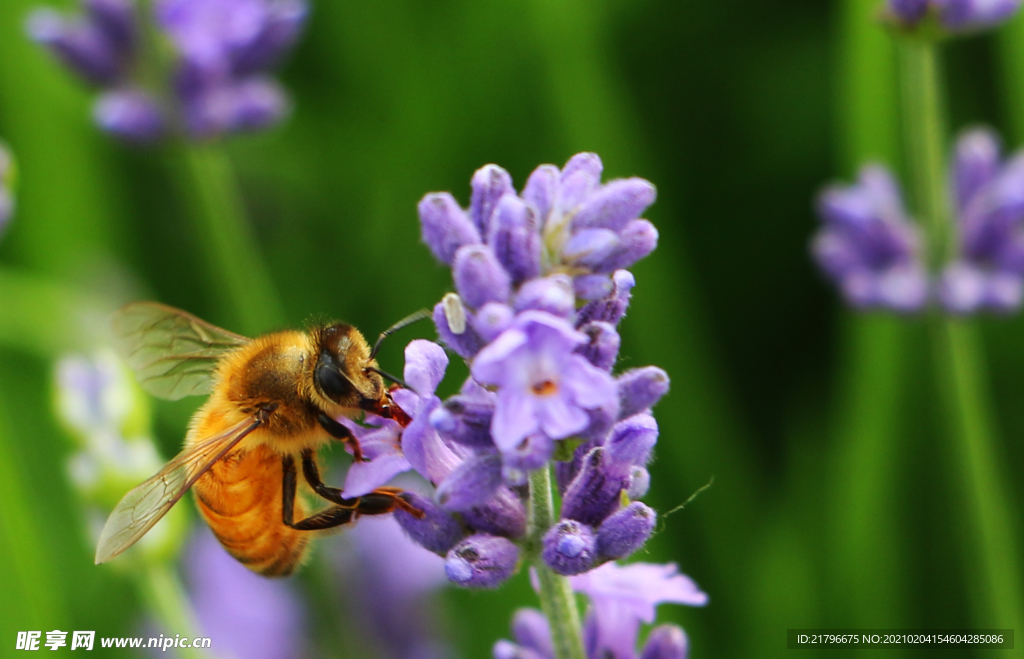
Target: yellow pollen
{"x": 545, "y": 388}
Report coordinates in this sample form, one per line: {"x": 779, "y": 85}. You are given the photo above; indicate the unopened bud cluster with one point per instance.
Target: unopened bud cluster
{"x": 215, "y": 80}
{"x": 874, "y": 252}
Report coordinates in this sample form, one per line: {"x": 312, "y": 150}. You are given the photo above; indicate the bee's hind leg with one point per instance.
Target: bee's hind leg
{"x": 381, "y": 501}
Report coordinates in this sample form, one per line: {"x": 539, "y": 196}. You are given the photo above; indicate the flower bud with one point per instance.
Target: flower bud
{"x": 129, "y": 114}
{"x": 492, "y": 319}
{"x": 612, "y": 307}
{"x": 636, "y": 241}
{"x": 116, "y": 20}
{"x": 540, "y": 191}
{"x": 632, "y": 439}
{"x": 639, "y": 482}
{"x": 490, "y": 183}
{"x": 445, "y": 226}
{"x": 472, "y": 483}
{"x": 465, "y": 420}
{"x": 640, "y": 389}
{"x": 552, "y": 294}
{"x": 666, "y": 642}
{"x": 466, "y": 343}
{"x": 594, "y": 493}
{"x": 437, "y": 530}
{"x": 482, "y": 561}
{"x": 625, "y": 531}
{"x": 479, "y": 278}
{"x": 504, "y": 515}
{"x": 569, "y": 548}
{"x": 602, "y": 347}
{"x": 590, "y": 247}
{"x": 592, "y": 287}
{"x": 80, "y": 45}
{"x": 615, "y": 204}
{"x": 975, "y": 163}
{"x": 515, "y": 238}
{"x": 530, "y": 628}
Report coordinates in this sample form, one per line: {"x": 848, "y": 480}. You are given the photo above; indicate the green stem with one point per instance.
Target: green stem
{"x": 163, "y": 592}
{"x": 239, "y": 277}
{"x": 959, "y": 362}
{"x": 556, "y": 596}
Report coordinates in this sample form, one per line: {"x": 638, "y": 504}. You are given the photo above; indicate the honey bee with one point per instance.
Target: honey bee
{"x": 273, "y": 403}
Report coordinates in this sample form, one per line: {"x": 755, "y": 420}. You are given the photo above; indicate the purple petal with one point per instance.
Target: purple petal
{"x": 588, "y": 163}
{"x": 530, "y": 628}
{"x": 514, "y": 419}
{"x": 425, "y": 364}
{"x": 364, "y": 477}
{"x": 638, "y": 239}
{"x": 592, "y": 287}
{"x": 492, "y": 319}
{"x": 558, "y": 417}
{"x": 590, "y": 247}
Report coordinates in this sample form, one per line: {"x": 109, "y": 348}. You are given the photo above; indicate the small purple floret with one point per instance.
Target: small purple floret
{"x": 625, "y": 531}
{"x": 868, "y": 246}
{"x": 482, "y": 561}
{"x": 437, "y": 531}
{"x": 569, "y": 547}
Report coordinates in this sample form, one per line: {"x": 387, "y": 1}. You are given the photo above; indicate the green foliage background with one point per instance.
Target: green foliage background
{"x": 836, "y": 499}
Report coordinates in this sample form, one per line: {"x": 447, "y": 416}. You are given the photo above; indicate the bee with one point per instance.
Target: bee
{"x": 273, "y": 402}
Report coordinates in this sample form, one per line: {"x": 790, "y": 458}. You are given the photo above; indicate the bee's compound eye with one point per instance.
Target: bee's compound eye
{"x": 332, "y": 382}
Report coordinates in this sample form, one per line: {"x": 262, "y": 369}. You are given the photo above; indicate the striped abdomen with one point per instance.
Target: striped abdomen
{"x": 240, "y": 498}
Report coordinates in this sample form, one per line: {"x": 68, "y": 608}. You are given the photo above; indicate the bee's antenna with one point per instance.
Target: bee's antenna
{"x": 387, "y": 376}
{"x": 405, "y": 322}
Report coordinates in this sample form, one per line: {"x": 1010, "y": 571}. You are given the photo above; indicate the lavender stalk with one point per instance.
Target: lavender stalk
{"x": 556, "y": 596}
{"x": 957, "y": 352}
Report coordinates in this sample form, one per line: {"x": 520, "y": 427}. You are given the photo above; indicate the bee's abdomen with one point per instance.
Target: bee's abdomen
{"x": 240, "y": 498}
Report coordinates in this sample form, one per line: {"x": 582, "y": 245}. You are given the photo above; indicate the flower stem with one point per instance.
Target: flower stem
{"x": 960, "y": 368}
{"x": 556, "y": 596}
{"x": 239, "y": 277}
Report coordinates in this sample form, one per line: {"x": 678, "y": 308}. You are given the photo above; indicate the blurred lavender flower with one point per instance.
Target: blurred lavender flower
{"x": 621, "y": 597}
{"x": 222, "y": 52}
{"x": 989, "y": 200}
{"x": 869, "y": 246}
{"x": 390, "y": 583}
{"x": 953, "y": 16}
{"x": 248, "y": 615}
{"x": 108, "y": 418}
{"x": 7, "y": 175}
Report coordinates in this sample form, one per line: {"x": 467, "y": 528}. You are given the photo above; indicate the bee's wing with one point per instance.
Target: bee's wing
{"x": 173, "y": 353}
{"x": 143, "y": 507}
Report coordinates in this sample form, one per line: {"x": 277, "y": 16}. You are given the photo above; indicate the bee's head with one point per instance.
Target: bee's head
{"x": 343, "y": 372}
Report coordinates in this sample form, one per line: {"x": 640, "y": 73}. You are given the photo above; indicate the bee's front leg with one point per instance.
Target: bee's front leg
{"x": 335, "y": 516}
{"x": 340, "y": 432}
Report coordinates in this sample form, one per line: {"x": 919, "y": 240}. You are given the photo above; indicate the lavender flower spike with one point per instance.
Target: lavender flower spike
{"x": 988, "y": 273}
{"x": 868, "y": 246}
{"x": 954, "y": 16}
